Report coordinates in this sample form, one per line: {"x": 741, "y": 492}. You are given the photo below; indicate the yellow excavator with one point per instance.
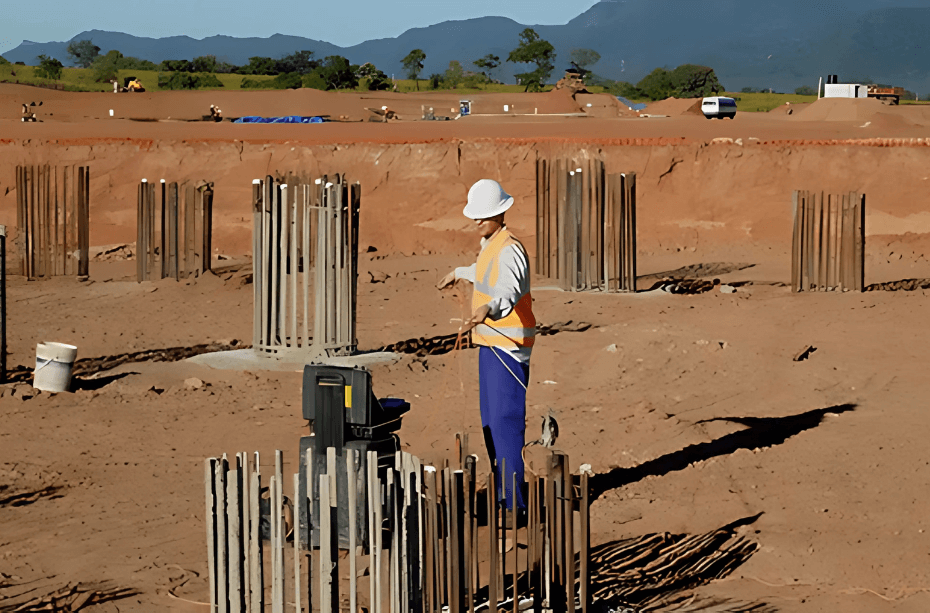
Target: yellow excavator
{"x": 132, "y": 84}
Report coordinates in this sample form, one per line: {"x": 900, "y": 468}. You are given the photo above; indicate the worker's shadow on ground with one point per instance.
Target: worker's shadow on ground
{"x": 760, "y": 432}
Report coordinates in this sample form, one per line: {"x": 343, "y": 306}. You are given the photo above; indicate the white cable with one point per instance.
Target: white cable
{"x": 507, "y": 367}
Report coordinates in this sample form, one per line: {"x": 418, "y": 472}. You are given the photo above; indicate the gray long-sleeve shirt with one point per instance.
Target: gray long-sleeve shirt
{"x": 513, "y": 282}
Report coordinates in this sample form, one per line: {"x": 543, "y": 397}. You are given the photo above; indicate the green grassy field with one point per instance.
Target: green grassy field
{"x": 79, "y": 79}
{"x": 763, "y": 103}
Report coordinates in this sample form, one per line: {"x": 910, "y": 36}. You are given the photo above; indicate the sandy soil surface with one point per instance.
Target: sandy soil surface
{"x": 690, "y": 409}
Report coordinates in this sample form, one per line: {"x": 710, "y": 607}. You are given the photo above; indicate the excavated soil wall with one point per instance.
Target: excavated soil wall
{"x": 692, "y": 197}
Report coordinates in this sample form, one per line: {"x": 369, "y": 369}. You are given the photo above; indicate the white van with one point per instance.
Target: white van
{"x": 719, "y": 107}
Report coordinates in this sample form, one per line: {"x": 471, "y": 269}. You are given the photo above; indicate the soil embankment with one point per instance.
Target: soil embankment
{"x": 707, "y": 201}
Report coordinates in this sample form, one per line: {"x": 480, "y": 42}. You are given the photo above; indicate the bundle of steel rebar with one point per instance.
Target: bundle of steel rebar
{"x": 585, "y": 226}
{"x": 173, "y": 237}
{"x": 303, "y": 225}
{"x": 828, "y": 244}
{"x": 427, "y": 549}
{"x": 53, "y": 219}
{"x": 442, "y": 539}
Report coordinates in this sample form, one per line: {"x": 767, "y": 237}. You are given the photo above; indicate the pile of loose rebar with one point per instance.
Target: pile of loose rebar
{"x": 650, "y": 572}
{"x": 71, "y": 597}
{"x": 439, "y": 345}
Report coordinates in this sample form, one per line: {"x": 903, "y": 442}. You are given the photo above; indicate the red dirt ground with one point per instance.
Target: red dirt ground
{"x": 697, "y": 396}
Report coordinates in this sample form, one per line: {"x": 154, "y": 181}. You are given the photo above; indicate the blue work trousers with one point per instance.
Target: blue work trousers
{"x": 503, "y": 417}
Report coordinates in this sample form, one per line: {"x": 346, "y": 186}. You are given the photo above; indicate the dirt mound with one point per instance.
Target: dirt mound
{"x": 674, "y": 107}
{"x": 841, "y": 109}
{"x": 888, "y": 121}
{"x": 790, "y": 109}
{"x": 603, "y": 105}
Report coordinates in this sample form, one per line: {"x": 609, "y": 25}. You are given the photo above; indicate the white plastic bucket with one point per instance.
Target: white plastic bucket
{"x": 54, "y": 362}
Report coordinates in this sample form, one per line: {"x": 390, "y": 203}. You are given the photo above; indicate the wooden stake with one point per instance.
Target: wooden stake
{"x": 326, "y": 547}
{"x": 84, "y": 224}
{"x": 306, "y": 260}
{"x": 140, "y": 230}
{"x": 207, "y": 221}
{"x": 297, "y": 590}
{"x": 370, "y": 497}
{"x": 277, "y": 510}
{"x": 470, "y": 553}
{"x": 210, "y": 518}
{"x": 630, "y": 193}
{"x": 531, "y": 511}
{"x": 293, "y": 265}
{"x": 568, "y": 504}
{"x": 379, "y": 592}
{"x": 234, "y": 527}
{"x": 455, "y": 538}
{"x": 795, "y": 244}
{"x": 245, "y": 499}
{"x": 584, "y": 218}
{"x": 256, "y": 573}
{"x": 433, "y": 548}
{"x": 30, "y": 222}
{"x": 222, "y": 578}
{"x": 515, "y": 559}
{"x": 352, "y": 493}
{"x": 584, "y": 511}
{"x": 174, "y": 256}
{"x": 817, "y": 252}
{"x": 810, "y": 251}
{"x": 163, "y": 232}
{"x": 20, "y": 219}
{"x": 859, "y": 229}
{"x": 548, "y": 534}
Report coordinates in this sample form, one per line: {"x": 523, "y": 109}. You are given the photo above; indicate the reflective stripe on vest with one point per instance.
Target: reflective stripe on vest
{"x": 518, "y": 329}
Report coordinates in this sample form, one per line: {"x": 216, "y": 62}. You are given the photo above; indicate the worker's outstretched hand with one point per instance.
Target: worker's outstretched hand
{"x": 446, "y": 281}
{"x": 480, "y": 314}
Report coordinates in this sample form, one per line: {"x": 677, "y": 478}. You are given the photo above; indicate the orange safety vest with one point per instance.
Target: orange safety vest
{"x": 518, "y": 329}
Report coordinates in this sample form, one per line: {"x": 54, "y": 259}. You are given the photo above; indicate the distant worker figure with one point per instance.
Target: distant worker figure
{"x": 505, "y": 328}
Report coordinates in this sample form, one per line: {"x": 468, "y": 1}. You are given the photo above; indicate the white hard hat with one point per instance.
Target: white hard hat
{"x": 487, "y": 199}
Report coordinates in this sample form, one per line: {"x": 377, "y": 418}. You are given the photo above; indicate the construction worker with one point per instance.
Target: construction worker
{"x": 503, "y": 326}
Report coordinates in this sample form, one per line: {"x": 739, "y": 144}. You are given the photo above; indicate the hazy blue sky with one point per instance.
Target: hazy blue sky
{"x": 342, "y": 22}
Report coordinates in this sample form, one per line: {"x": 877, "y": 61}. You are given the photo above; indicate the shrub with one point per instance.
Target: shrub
{"x": 187, "y": 80}
{"x": 686, "y": 81}
{"x": 49, "y": 68}
{"x": 454, "y": 75}
{"x": 83, "y": 52}
{"x": 314, "y": 81}
{"x": 175, "y": 66}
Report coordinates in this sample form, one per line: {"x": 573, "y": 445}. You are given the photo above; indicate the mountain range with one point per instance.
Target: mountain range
{"x": 766, "y": 44}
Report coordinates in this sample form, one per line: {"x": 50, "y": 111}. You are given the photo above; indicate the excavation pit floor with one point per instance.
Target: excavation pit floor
{"x": 690, "y": 409}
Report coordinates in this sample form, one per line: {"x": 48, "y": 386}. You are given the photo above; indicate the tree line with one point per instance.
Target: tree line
{"x": 302, "y": 69}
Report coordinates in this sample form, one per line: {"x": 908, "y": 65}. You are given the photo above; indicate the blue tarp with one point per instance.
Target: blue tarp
{"x": 288, "y": 119}
{"x": 633, "y": 106}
